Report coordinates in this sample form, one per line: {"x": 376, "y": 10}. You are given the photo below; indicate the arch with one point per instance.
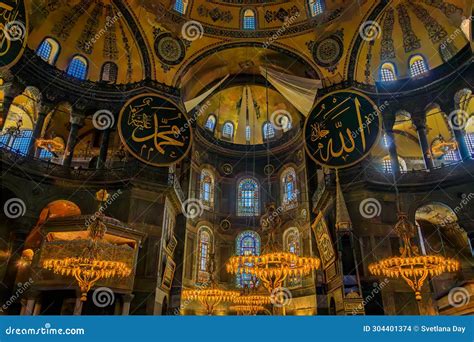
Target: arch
{"x": 249, "y": 19}
{"x": 228, "y": 130}
{"x": 109, "y": 72}
{"x": 388, "y": 72}
{"x": 180, "y": 6}
{"x": 207, "y": 188}
{"x": 49, "y": 50}
{"x": 268, "y": 130}
{"x": 247, "y": 243}
{"x": 205, "y": 249}
{"x": 316, "y": 7}
{"x": 78, "y": 67}
{"x": 248, "y": 197}
{"x": 211, "y": 122}
{"x": 417, "y": 66}
{"x": 289, "y": 188}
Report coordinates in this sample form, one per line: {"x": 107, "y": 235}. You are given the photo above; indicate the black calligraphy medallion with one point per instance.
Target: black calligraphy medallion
{"x": 342, "y": 129}
{"x": 13, "y": 31}
{"x": 154, "y": 130}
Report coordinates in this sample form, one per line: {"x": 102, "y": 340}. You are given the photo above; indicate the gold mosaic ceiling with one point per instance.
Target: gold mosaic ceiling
{"x": 145, "y": 37}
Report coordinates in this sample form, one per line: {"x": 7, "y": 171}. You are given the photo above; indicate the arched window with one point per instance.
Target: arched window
{"x": 249, "y": 20}
{"x": 451, "y": 156}
{"x": 387, "y": 73}
{"x": 247, "y": 243}
{"x": 248, "y": 133}
{"x": 316, "y": 7}
{"x": 292, "y": 244}
{"x": 48, "y": 50}
{"x": 78, "y": 68}
{"x": 268, "y": 131}
{"x": 207, "y": 188}
{"x": 248, "y": 198}
{"x": 289, "y": 188}
{"x": 109, "y": 72}
{"x": 387, "y": 164}
{"x": 228, "y": 130}
{"x": 210, "y": 122}
{"x": 418, "y": 66}
{"x": 181, "y": 6}
{"x": 204, "y": 250}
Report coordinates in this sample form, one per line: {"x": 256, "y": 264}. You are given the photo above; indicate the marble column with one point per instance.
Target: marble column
{"x": 45, "y": 109}
{"x": 76, "y": 123}
{"x": 127, "y": 299}
{"x": 420, "y": 124}
{"x": 30, "y": 305}
{"x": 457, "y": 125}
{"x": 78, "y": 305}
{"x": 104, "y": 147}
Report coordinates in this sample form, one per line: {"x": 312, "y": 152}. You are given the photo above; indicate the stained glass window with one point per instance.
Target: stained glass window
{"x": 293, "y": 245}
{"x": 387, "y": 73}
{"x": 316, "y": 6}
{"x": 247, "y": 243}
{"x": 268, "y": 131}
{"x": 228, "y": 130}
{"x": 207, "y": 188}
{"x": 249, "y": 20}
{"x": 78, "y": 68}
{"x": 204, "y": 248}
{"x": 210, "y": 123}
{"x": 418, "y": 66}
{"x": 247, "y": 133}
{"x": 109, "y": 72}
{"x": 289, "y": 188}
{"x": 248, "y": 198}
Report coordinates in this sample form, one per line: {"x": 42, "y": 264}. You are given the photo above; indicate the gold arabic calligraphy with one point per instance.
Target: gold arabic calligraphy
{"x": 7, "y": 15}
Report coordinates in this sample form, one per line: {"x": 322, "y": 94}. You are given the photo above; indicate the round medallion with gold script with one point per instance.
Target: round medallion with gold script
{"x": 13, "y": 31}
{"x": 154, "y": 130}
{"x": 342, "y": 129}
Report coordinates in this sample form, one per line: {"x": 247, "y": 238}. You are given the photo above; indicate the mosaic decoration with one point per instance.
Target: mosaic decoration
{"x": 281, "y": 14}
{"x": 323, "y": 240}
{"x": 447, "y": 8}
{"x": 13, "y": 32}
{"x": 388, "y": 49}
{"x": 410, "y": 41}
{"x": 327, "y": 52}
{"x": 227, "y": 169}
{"x": 215, "y": 14}
{"x": 127, "y": 49}
{"x": 90, "y": 30}
{"x": 170, "y": 50}
{"x": 62, "y": 29}
{"x": 154, "y": 130}
{"x": 435, "y": 31}
{"x": 110, "y": 41}
{"x": 342, "y": 129}
{"x": 368, "y": 62}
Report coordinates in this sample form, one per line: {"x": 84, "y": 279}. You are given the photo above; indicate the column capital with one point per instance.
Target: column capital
{"x": 77, "y": 119}
{"x": 128, "y": 297}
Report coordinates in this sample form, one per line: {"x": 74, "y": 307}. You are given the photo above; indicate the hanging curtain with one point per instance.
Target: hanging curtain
{"x": 300, "y": 91}
{"x": 191, "y": 104}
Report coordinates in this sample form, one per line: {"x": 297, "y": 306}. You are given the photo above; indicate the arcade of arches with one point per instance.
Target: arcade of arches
{"x": 248, "y": 60}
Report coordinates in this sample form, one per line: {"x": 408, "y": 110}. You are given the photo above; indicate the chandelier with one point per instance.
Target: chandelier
{"x": 211, "y": 296}
{"x": 410, "y": 265}
{"x": 90, "y": 267}
{"x": 247, "y": 310}
{"x": 272, "y": 267}
{"x": 250, "y": 302}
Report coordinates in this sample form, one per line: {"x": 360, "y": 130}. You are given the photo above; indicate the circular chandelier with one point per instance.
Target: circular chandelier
{"x": 411, "y": 266}
{"x": 247, "y": 310}
{"x": 211, "y": 296}
{"x": 90, "y": 267}
{"x": 273, "y": 266}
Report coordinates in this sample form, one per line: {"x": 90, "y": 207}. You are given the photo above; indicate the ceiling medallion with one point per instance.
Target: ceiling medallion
{"x": 269, "y": 169}
{"x": 154, "y": 130}
{"x": 170, "y": 50}
{"x": 342, "y": 129}
{"x": 225, "y": 225}
{"x": 227, "y": 169}
{"x": 328, "y": 51}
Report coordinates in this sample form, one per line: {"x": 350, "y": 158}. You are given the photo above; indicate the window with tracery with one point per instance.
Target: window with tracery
{"x": 247, "y": 243}
{"x": 204, "y": 250}
{"x": 289, "y": 188}
{"x": 207, "y": 188}
{"x": 248, "y": 198}
{"x": 78, "y": 68}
